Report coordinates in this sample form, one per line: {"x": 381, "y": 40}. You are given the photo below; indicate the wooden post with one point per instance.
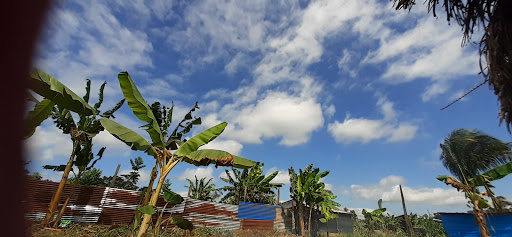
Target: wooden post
{"x": 189, "y": 190}
{"x": 407, "y": 221}
{"x": 115, "y": 175}
{"x": 278, "y": 194}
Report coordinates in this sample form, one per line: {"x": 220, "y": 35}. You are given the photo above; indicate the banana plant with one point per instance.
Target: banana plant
{"x": 188, "y": 151}
{"x": 477, "y": 198}
{"x": 59, "y": 101}
{"x": 202, "y": 189}
{"x": 374, "y": 215}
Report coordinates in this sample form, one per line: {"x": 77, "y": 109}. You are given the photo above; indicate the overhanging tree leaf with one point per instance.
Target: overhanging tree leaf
{"x": 50, "y": 88}
{"x": 129, "y": 137}
{"x": 140, "y": 108}
{"x": 200, "y": 139}
{"x": 41, "y": 112}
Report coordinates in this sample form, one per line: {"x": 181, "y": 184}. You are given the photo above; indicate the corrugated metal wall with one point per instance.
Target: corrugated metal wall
{"x": 117, "y": 206}
{"x": 463, "y": 224}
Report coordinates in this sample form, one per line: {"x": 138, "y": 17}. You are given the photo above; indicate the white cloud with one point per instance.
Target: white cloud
{"x": 366, "y": 130}
{"x": 278, "y": 115}
{"x": 144, "y": 177}
{"x": 199, "y": 172}
{"x": 282, "y": 177}
{"x": 88, "y": 41}
{"x": 106, "y": 139}
{"x": 388, "y": 190}
{"x": 48, "y": 143}
{"x": 344, "y": 63}
{"x": 231, "y": 146}
{"x": 330, "y": 111}
{"x": 430, "y": 49}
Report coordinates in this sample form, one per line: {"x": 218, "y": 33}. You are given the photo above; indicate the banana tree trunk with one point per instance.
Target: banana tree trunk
{"x": 54, "y": 203}
{"x": 61, "y": 213}
{"x": 301, "y": 219}
{"x": 150, "y": 185}
{"x": 309, "y": 221}
{"x": 480, "y": 220}
{"x": 154, "y": 197}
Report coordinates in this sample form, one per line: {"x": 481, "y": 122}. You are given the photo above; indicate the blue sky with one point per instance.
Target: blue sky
{"x": 353, "y": 87}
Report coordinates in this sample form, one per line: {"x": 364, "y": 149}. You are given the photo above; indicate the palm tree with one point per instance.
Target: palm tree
{"x": 202, "y": 190}
{"x": 467, "y": 153}
{"x": 249, "y": 185}
{"x": 475, "y": 159}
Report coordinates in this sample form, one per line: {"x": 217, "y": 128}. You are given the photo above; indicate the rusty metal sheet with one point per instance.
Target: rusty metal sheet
{"x": 248, "y": 224}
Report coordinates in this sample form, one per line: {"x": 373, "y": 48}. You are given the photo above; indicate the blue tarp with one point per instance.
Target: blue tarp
{"x": 464, "y": 225}
{"x": 256, "y": 211}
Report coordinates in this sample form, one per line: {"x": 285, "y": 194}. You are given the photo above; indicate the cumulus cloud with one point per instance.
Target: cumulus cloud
{"x": 144, "y": 177}
{"x": 231, "y": 146}
{"x": 199, "y": 172}
{"x": 388, "y": 190}
{"x": 282, "y": 176}
{"x": 89, "y": 41}
{"x": 48, "y": 143}
{"x": 277, "y": 115}
{"x": 366, "y": 130}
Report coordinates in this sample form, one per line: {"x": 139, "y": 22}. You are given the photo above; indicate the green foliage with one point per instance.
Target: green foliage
{"x": 182, "y": 223}
{"x": 202, "y": 190}
{"x": 50, "y": 88}
{"x": 467, "y": 153}
{"x": 172, "y": 197}
{"x": 35, "y": 176}
{"x": 150, "y": 210}
{"x": 83, "y": 131}
{"x": 41, "y": 112}
{"x": 306, "y": 189}
{"x": 140, "y": 108}
{"x": 93, "y": 177}
{"x": 259, "y": 188}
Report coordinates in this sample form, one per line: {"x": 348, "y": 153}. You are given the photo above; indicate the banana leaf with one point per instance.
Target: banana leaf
{"x": 140, "y": 108}
{"x": 172, "y": 197}
{"x": 200, "y": 139}
{"x": 150, "y": 210}
{"x": 491, "y": 175}
{"x": 41, "y": 112}
{"x": 182, "y": 223}
{"x": 128, "y": 136}
{"x": 217, "y": 157}
{"x": 52, "y": 89}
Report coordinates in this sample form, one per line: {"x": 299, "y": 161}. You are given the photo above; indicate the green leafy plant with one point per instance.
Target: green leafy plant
{"x": 251, "y": 184}
{"x": 59, "y": 101}
{"x": 475, "y": 159}
{"x": 306, "y": 190}
{"x": 188, "y": 151}
{"x": 374, "y": 215}
{"x": 201, "y": 189}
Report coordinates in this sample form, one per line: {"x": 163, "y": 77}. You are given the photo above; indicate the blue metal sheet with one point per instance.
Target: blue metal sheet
{"x": 256, "y": 211}
{"x": 464, "y": 225}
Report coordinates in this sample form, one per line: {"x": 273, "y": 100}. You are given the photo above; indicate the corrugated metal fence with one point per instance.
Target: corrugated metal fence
{"x": 111, "y": 206}
{"x": 117, "y": 206}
